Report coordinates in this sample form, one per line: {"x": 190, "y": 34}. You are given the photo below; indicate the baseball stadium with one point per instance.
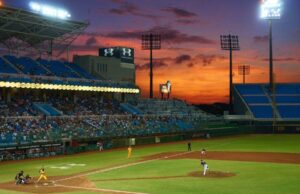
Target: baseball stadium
{"x": 75, "y": 122}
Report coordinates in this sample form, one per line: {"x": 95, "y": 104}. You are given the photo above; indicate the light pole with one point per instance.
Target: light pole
{"x": 151, "y": 41}
{"x": 271, "y": 10}
{"x": 231, "y": 43}
{"x": 244, "y": 70}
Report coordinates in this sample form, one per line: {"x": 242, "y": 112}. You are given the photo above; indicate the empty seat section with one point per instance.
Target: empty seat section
{"x": 289, "y": 111}
{"x": 288, "y": 99}
{"x": 256, "y": 99}
{"x": 287, "y": 89}
{"x": 29, "y": 66}
{"x": 262, "y": 111}
{"x": 249, "y": 89}
{"x": 6, "y": 68}
{"x": 58, "y": 68}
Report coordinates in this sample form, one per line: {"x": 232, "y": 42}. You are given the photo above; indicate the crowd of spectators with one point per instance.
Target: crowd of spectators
{"x": 85, "y": 106}
{"x": 30, "y": 130}
{"x": 24, "y": 106}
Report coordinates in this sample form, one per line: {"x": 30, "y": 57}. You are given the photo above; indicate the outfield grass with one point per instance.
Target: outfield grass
{"x": 251, "y": 177}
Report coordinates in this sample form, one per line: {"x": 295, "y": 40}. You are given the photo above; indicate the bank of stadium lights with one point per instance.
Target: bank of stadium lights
{"x": 4, "y": 84}
{"x": 271, "y": 10}
{"x": 49, "y": 11}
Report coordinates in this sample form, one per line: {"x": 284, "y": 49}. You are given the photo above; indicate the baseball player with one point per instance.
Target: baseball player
{"x": 203, "y": 153}
{"x": 205, "y": 167}
{"x": 129, "y": 151}
{"x": 189, "y": 146}
{"x": 42, "y": 175}
{"x": 20, "y": 177}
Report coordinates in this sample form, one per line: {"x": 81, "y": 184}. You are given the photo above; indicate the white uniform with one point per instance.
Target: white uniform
{"x": 205, "y": 167}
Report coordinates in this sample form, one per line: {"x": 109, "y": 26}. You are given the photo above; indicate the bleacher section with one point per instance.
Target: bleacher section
{"x": 25, "y": 69}
{"x": 164, "y": 107}
{"x": 258, "y": 100}
{"x": 6, "y": 68}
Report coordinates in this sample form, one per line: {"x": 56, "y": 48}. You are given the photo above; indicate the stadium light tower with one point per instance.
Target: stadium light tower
{"x": 231, "y": 43}
{"x": 151, "y": 41}
{"x": 244, "y": 70}
{"x": 271, "y": 10}
{"x": 49, "y": 11}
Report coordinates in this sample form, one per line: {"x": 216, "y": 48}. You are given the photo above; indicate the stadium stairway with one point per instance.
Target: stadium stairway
{"x": 274, "y": 107}
{"x": 47, "y": 109}
{"x": 131, "y": 109}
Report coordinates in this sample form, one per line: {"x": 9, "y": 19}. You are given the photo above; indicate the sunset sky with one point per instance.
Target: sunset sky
{"x": 190, "y": 57}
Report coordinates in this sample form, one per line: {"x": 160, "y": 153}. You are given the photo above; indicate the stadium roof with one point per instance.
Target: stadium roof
{"x": 21, "y": 29}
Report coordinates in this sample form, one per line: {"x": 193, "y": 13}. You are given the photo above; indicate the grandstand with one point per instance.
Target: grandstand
{"x": 257, "y": 100}
{"x": 47, "y": 104}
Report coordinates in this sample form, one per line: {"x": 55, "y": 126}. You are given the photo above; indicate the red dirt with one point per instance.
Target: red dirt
{"x": 49, "y": 188}
{"x": 290, "y": 158}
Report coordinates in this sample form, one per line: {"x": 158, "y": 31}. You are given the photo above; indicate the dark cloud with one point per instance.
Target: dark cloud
{"x": 187, "y": 21}
{"x": 91, "y": 41}
{"x": 126, "y": 8}
{"x": 281, "y": 59}
{"x": 169, "y": 35}
{"x": 174, "y": 36}
{"x": 157, "y": 64}
{"x": 180, "y": 13}
{"x": 258, "y": 39}
{"x": 208, "y": 59}
{"x": 182, "y": 58}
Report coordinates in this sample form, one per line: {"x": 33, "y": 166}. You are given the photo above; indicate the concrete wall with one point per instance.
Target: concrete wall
{"x": 107, "y": 67}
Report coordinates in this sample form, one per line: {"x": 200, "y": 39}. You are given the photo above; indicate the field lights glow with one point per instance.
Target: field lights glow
{"x": 271, "y": 9}
{"x": 49, "y": 10}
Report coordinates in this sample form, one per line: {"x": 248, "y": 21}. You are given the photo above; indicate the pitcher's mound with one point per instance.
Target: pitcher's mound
{"x": 211, "y": 174}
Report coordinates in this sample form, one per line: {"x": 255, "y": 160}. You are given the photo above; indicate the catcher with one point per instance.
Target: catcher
{"x": 42, "y": 175}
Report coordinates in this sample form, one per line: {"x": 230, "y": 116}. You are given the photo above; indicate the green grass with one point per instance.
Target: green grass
{"x": 251, "y": 177}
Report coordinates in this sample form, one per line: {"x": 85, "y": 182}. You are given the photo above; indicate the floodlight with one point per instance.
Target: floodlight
{"x": 49, "y": 10}
{"x": 151, "y": 41}
{"x": 271, "y": 9}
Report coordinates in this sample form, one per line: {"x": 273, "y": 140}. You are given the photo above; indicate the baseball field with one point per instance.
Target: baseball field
{"x": 265, "y": 164}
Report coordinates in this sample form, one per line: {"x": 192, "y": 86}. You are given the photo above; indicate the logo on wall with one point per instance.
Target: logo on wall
{"x": 109, "y": 52}
{"x": 124, "y": 53}
{"x": 127, "y": 52}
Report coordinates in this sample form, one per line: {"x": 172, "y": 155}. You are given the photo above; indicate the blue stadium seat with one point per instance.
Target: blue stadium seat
{"x": 6, "y": 68}
{"x": 249, "y": 89}
{"x": 58, "y": 68}
{"x": 289, "y": 111}
{"x": 288, "y": 99}
{"x": 261, "y": 112}
{"x": 256, "y": 99}
{"x": 29, "y": 66}
{"x": 287, "y": 89}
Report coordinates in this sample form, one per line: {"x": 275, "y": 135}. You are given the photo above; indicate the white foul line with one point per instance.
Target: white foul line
{"x": 123, "y": 166}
